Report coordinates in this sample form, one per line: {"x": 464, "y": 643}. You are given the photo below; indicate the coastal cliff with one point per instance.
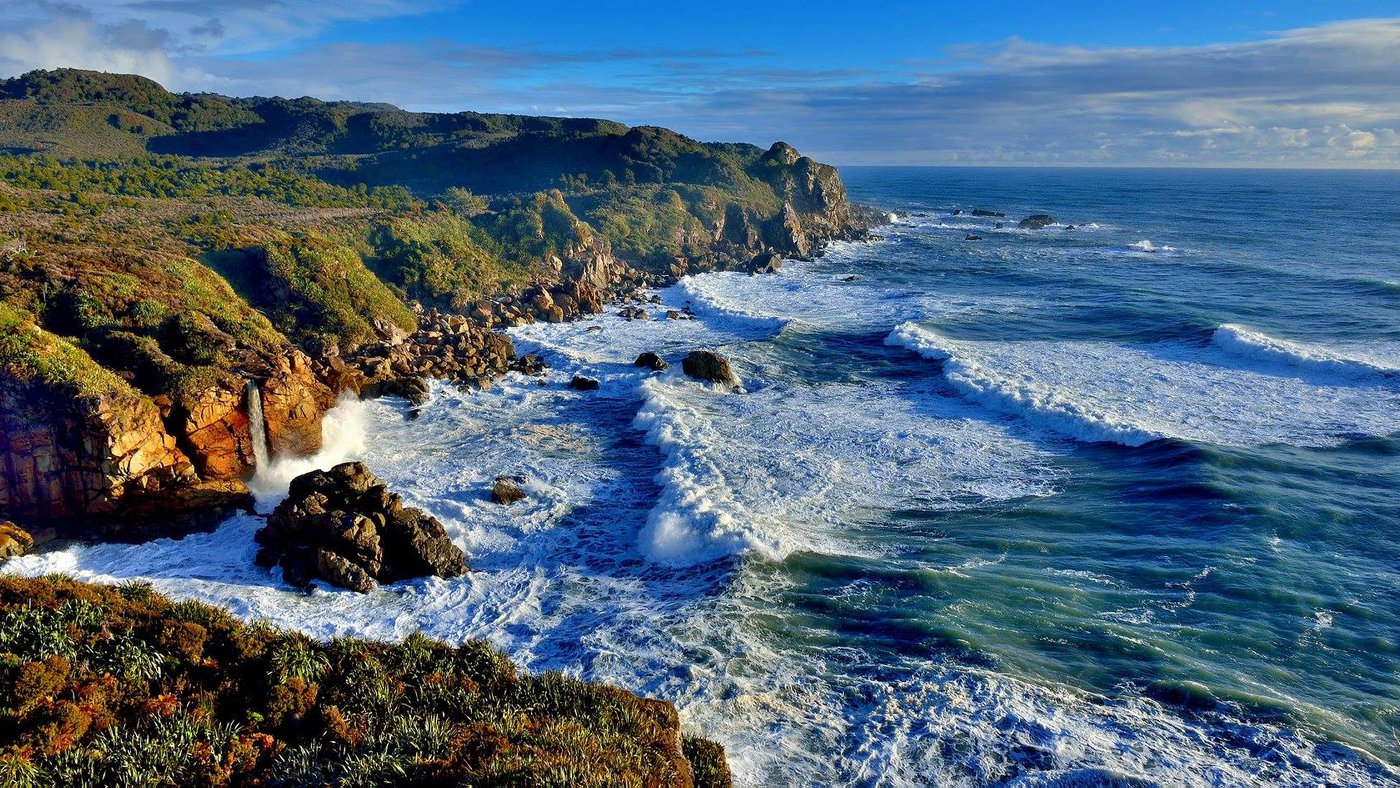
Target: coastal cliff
{"x": 190, "y": 282}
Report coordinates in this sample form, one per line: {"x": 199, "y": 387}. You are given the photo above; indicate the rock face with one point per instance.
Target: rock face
{"x": 709, "y": 366}
{"x": 94, "y": 458}
{"x": 651, "y": 361}
{"x": 1037, "y": 222}
{"x": 345, "y": 527}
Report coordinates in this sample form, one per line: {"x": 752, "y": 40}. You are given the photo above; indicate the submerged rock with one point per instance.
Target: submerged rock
{"x": 1038, "y": 221}
{"x": 345, "y": 527}
{"x": 972, "y": 237}
{"x": 651, "y": 361}
{"x": 506, "y": 490}
{"x": 709, "y": 366}
{"x": 986, "y": 213}
{"x": 582, "y": 383}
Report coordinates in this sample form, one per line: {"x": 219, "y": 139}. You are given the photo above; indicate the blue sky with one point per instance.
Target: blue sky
{"x": 1302, "y": 83}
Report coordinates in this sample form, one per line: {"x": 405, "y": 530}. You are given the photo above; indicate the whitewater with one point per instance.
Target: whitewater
{"x": 1054, "y": 507}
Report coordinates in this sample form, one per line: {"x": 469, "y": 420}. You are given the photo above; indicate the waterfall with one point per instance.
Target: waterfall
{"x": 257, "y": 426}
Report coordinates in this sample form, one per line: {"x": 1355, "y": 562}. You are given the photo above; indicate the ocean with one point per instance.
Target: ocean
{"x": 1052, "y": 507}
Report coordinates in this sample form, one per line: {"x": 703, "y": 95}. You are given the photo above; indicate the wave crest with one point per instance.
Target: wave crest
{"x": 1260, "y": 349}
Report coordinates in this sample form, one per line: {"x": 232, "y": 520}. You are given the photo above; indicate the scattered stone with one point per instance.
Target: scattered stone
{"x": 14, "y": 541}
{"x": 651, "y": 361}
{"x": 672, "y": 314}
{"x": 1038, "y": 221}
{"x": 709, "y": 366}
{"x": 631, "y": 313}
{"x": 345, "y": 527}
{"x": 581, "y": 383}
{"x": 1000, "y": 226}
{"x": 531, "y": 364}
{"x": 971, "y": 237}
{"x": 986, "y": 213}
{"x": 412, "y": 388}
{"x": 1070, "y": 227}
{"x": 506, "y": 490}
{"x": 849, "y": 278}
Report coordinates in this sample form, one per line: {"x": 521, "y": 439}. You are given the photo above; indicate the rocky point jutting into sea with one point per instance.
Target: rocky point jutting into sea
{"x": 189, "y": 283}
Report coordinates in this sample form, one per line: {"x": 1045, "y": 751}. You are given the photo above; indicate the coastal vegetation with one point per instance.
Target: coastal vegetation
{"x": 117, "y": 685}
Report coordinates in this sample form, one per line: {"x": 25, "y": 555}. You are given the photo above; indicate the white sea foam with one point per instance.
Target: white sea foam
{"x": 774, "y": 471}
{"x": 1148, "y": 246}
{"x": 1102, "y": 391}
{"x": 1258, "y": 349}
{"x": 342, "y": 439}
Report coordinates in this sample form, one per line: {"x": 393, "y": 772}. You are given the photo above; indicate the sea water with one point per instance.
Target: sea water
{"x": 1050, "y": 507}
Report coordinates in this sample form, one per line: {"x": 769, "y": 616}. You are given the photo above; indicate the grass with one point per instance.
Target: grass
{"x": 104, "y": 685}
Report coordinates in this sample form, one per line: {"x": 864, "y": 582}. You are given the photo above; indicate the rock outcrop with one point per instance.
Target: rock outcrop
{"x": 96, "y": 458}
{"x": 345, "y": 527}
{"x": 651, "y": 361}
{"x": 1038, "y": 221}
{"x": 506, "y": 490}
{"x": 709, "y": 366}
{"x": 14, "y": 541}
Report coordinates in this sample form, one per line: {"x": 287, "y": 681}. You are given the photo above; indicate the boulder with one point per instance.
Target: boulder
{"x": 506, "y": 491}
{"x": 531, "y": 364}
{"x": 345, "y": 527}
{"x": 986, "y": 213}
{"x": 652, "y": 362}
{"x": 14, "y": 541}
{"x": 410, "y": 387}
{"x": 1037, "y": 222}
{"x": 972, "y": 237}
{"x": 709, "y": 366}
{"x": 768, "y": 262}
{"x": 581, "y": 383}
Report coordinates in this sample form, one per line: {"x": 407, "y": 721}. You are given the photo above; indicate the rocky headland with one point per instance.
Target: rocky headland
{"x": 185, "y": 297}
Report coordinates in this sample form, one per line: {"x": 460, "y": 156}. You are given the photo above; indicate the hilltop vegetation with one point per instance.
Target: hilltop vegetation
{"x": 120, "y": 686}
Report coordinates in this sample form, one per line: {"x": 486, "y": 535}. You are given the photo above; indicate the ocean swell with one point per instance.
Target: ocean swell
{"x": 1257, "y": 349}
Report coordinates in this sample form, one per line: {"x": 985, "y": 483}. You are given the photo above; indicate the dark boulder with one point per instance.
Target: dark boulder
{"x": 531, "y": 364}
{"x": 986, "y": 213}
{"x": 345, "y": 527}
{"x": 709, "y": 366}
{"x": 769, "y": 262}
{"x": 1000, "y": 225}
{"x": 1037, "y": 222}
{"x": 652, "y": 362}
{"x": 410, "y": 387}
{"x": 581, "y": 383}
{"x": 971, "y": 237}
{"x": 506, "y": 490}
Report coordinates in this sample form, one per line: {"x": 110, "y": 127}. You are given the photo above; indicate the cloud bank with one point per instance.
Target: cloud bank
{"x": 1320, "y": 96}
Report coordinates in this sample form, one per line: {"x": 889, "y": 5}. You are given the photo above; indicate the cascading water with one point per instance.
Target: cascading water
{"x": 257, "y": 426}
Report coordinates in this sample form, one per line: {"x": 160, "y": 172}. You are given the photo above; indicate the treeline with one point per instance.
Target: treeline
{"x": 173, "y": 177}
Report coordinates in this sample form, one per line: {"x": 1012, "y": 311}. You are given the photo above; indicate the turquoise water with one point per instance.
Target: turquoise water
{"x": 1047, "y": 508}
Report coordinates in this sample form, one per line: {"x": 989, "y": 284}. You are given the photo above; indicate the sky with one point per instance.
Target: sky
{"x": 1302, "y": 83}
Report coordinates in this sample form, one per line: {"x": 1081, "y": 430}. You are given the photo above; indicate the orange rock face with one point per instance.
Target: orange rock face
{"x": 293, "y": 401}
{"x": 218, "y": 436}
{"x": 88, "y": 459}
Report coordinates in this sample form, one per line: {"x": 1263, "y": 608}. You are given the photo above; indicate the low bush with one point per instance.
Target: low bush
{"x": 119, "y": 686}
